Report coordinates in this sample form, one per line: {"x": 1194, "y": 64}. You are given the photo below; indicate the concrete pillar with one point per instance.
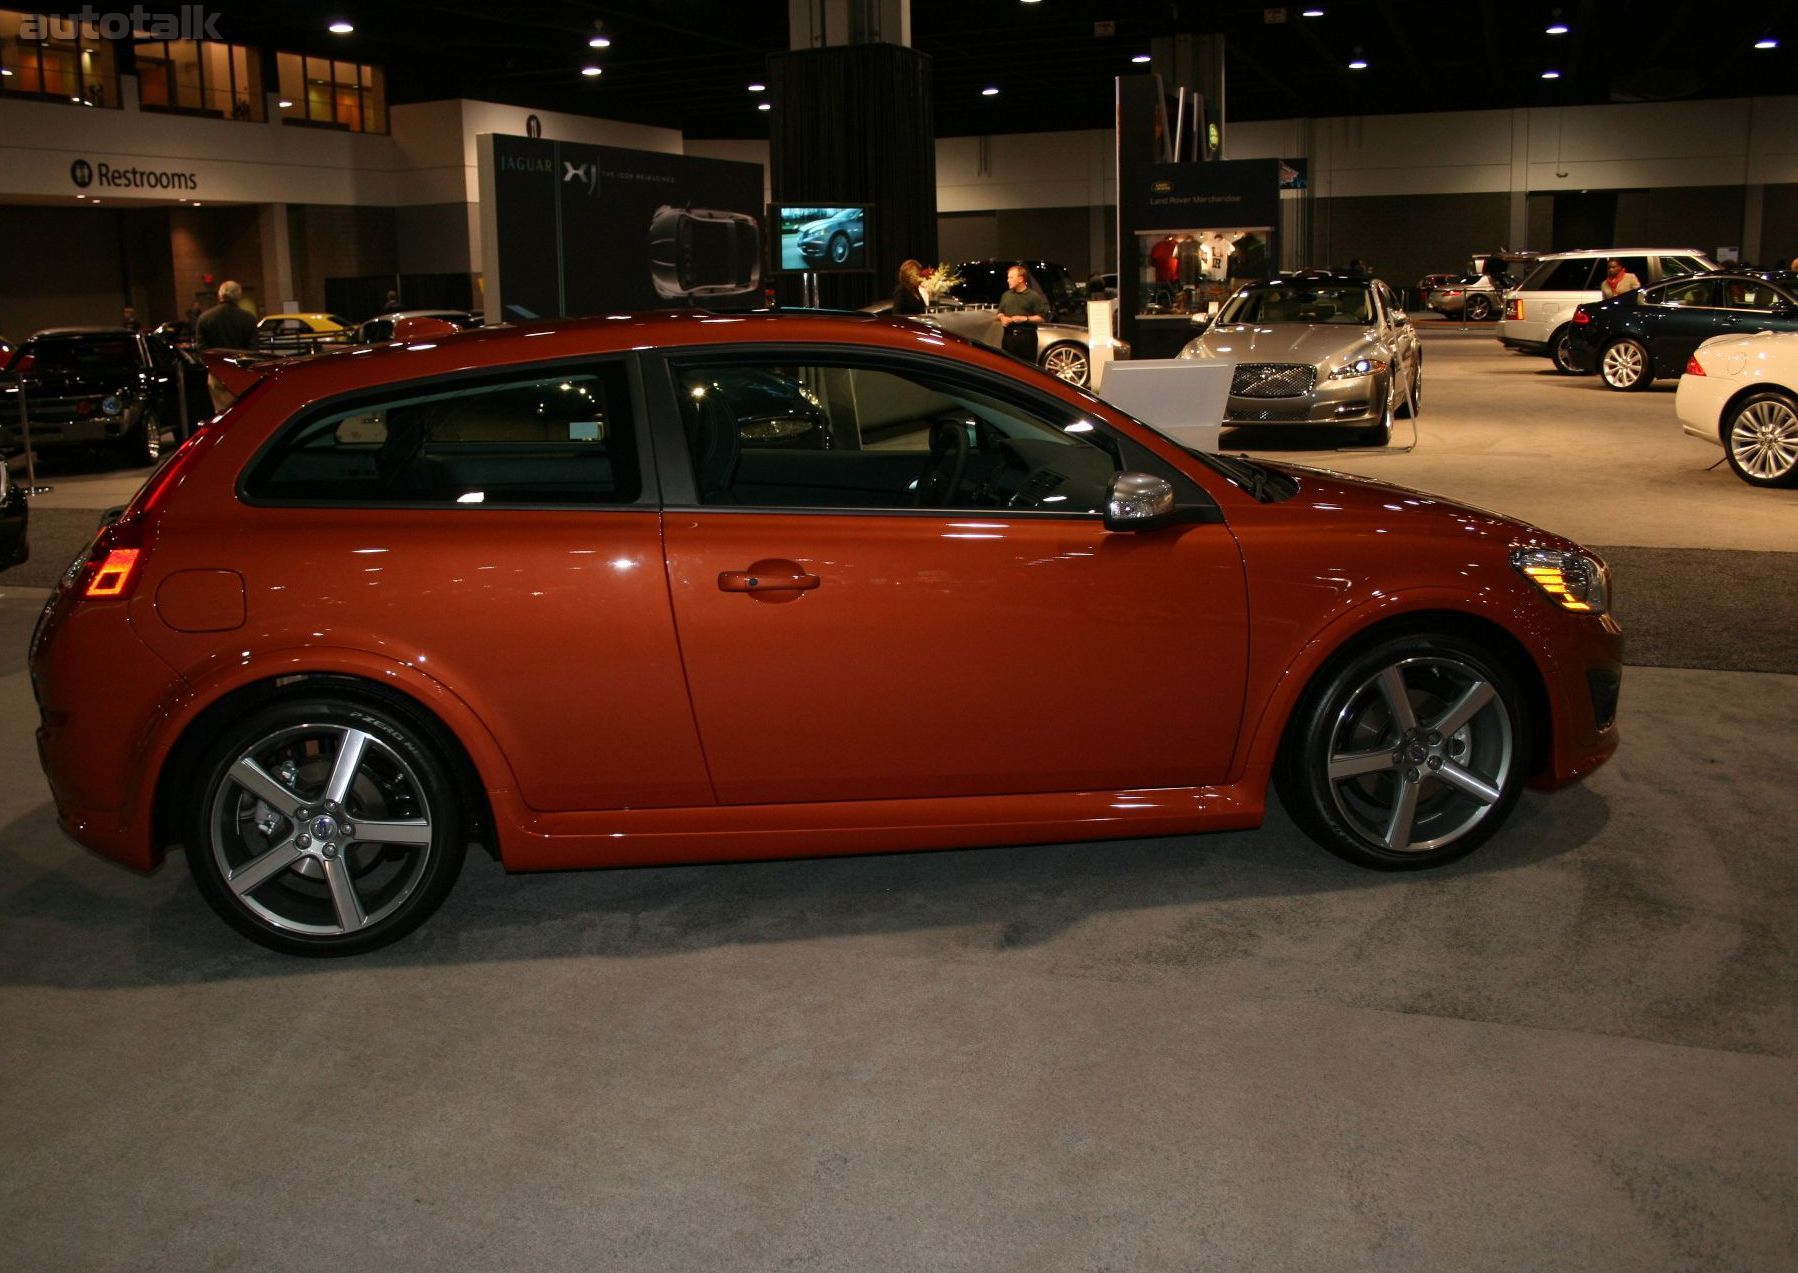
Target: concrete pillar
{"x": 1517, "y": 230}
{"x": 277, "y": 258}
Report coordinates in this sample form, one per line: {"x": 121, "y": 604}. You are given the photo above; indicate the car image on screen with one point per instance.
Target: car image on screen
{"x": 704, "y": 253}
{"x": 823, "y": 239}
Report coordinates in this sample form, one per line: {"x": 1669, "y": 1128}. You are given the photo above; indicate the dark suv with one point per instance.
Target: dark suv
{"x": 96, "y": 384}
{"x": 983, "y": 283}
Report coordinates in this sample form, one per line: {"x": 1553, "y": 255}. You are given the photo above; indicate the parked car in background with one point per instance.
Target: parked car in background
{"x": 1317, "y": 349}
{"x": 984, "y": 282}
{"x": 1634, "y": 339}
{"x": 15, "y": 520}
{"x": 106, "y": 385}
{"x": 372, "y": 331}
{"x": 1741, "y": 393}
{"x": 836, "y": 240}
{"x": 1539, "y": 309}
{"x": 302, "y": 333}
{"x": 1473, "y": 297}
{"x": 698, "y": 254}
{"x": 644, "y": 674}
{"x": 1062, "y": 349}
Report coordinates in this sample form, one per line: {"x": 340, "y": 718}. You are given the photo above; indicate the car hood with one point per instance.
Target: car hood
{"x": 1315, "y": 343}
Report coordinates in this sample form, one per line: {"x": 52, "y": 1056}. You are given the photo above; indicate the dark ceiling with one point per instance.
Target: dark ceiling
{"x": 686, "y": 64}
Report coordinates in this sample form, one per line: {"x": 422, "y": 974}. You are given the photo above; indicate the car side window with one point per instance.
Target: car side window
{"x": 1687, "y": 292}
{"x": 1576, "y": 275}
{"x": 552, "y": 439}
{"x": 1673, "y": 266}
{"x": 843, "y": 436}
{"x": 1751, "y": 293}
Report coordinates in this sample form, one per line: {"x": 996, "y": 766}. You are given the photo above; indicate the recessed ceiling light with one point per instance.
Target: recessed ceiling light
{"x": 196, "y": 203}
{"x": 284, "y": 104}
{"x": 340, "y": 27}
{"x": 764, "y": 106}
{"x": 1768, "y": 43}
{"x": 1141, "y": 58}
{"x": 989, "y": 92}
{"x": 1312, "y": 13}
{"x": 589, "y": 71}
{"x": 1358, "y": 64}
{"x": 758, "y": 88}
{"x": 5, "y": 70}
{"x": 1551, "y": 75}
{"x": 1557, "y": 28}
{"x": 599, "y": 42}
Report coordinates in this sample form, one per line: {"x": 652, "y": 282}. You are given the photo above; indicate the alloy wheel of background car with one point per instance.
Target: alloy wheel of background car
{"x": 1624, "y": 365}
{"x": 1760, "y": 437}
{"x": 324, "y": 827}
{"x": 143, "y": 443}
{"x": 1408, "y": 755}
{"x": 839, "y": 248}
{"x": 1560, "y": 348}
{"x": 1067, "y": 361}
{"x": 1479, "y": 309}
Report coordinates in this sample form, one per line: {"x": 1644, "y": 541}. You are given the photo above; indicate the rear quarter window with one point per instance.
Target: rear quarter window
{"x": 1576, "y": 275}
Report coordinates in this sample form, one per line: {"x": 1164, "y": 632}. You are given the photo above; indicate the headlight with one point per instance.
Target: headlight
{"x": 1359, "y": 367}
{"x": 1573, "y": 581}
{"x": 110, "y": 404}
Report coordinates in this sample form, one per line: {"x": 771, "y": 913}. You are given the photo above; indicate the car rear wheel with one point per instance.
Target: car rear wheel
{"x": 142, "y": 444}
{"x": 1560, "y": 348}
{"x": 1068, "y": 361}
{"x": 1408, "y": 754}
{"x": 1624, "y": 365}
{"x": 1479, "y": 309}
{"x": 1760, "y": 437}
{"x": 324, "y": 827}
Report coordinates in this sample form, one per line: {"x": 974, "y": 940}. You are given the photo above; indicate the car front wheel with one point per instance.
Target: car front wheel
{"x": 1760, "y": 437}
{"x": 1624, "y": 365}
{"x": 1408, "y": 754}
{"x": 839, "y": 249}
{"x": 1479, "y": 309}
{"x": 1068, "y": 361}
{"x": 324, "y": 827}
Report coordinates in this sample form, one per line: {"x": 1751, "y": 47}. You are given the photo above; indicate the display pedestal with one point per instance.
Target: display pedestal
{"x": 1101, "y": 346}
{"x": 1182, "y": 398}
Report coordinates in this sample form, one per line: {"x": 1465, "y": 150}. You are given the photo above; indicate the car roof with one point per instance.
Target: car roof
{"x": 1579, "y": 252}
{"x": 83, "y": 331}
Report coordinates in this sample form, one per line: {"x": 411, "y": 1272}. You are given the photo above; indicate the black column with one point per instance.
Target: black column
{"x": 854, "y": 124}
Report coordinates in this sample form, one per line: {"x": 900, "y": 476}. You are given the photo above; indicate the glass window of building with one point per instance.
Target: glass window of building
{"x": 201, "y": 77}
{"x": 330, "y": 94}
{"x": 57, "y": 59}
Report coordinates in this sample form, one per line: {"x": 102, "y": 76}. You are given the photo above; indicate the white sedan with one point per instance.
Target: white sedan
{"x": 1741, "y": 393}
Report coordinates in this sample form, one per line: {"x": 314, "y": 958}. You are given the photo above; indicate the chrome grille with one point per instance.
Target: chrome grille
{"x": 1273, "y": 379}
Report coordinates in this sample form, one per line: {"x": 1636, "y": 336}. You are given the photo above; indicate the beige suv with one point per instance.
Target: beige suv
{"x": 1538, "y": 309}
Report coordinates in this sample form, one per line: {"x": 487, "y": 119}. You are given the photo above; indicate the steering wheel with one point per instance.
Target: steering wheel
{"x": 941, "y": 478}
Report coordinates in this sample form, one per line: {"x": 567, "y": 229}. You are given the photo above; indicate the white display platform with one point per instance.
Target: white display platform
{"x": 1183, "y": 398}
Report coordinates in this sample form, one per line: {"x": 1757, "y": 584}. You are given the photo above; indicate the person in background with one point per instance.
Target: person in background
{"x": 129, "y": 320}
{"x": 908, "y": 290}
{"x": 391, "y": 303}
{"x": 1618, "y": 280}
{"x": 1021, "y": 309}
{"x": 227, "y": 325}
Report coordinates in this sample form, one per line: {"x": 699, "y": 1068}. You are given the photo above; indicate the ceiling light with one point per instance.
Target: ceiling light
{"x": 589, "y": 71}
{"x": 5, "y": 70}
{"x": 1141, "y": 58}
{"x": 989, "y": 92}
{"x": 1312, "y": 13}
{"x": 1557, "y": 28}
{"x": 340, "y": 27}
{"x": 758, "y": 88}
{"x": 1551, "y": 75}
{"x": 196, "y": 203}
{"x": 285, "y": 105}
{"x": 1768, "y": 43}
{"x": 599, "y": 42}
{"x": 765, "y": 106}
{"x": 1357, "y": 63}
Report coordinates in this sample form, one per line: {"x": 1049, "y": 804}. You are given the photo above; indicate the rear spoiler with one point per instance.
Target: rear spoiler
{"x": 237, "y": 370}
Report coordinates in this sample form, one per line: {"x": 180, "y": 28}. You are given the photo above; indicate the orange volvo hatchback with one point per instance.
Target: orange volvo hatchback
{"x": 683, "y": 588}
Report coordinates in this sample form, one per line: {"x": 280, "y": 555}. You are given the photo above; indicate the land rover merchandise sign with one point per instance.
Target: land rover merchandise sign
{"x": 103, "y": 174}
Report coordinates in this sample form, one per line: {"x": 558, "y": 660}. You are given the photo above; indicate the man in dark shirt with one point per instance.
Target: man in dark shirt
{"x": 1021, "y": 309}
{"x": 226, "y": 325}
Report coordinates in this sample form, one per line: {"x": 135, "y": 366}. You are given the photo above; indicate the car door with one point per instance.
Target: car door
{"x": 1399, "y": 336}
{"x": 1675, "y": 318}
{"x": 860, "y": 623}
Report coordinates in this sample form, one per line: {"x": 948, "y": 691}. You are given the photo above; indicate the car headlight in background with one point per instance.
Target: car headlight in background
{"x": 111, "y": 405}
{"x": 1359, "y": 367}
{"x": 1573, "y": 581}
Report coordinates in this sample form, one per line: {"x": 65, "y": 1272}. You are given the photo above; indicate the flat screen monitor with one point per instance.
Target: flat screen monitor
{"x": 819, "y": 237}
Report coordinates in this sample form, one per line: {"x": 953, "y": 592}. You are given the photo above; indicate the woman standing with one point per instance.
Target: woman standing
{"x": 908, "y": 292}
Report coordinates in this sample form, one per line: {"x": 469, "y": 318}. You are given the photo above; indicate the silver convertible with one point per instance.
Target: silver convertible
{"x": 1317, "y": 349}
{"x": 1061, "y": 348}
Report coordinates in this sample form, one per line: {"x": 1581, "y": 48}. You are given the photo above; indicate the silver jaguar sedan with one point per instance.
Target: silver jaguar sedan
{"x": 1317, "y": 349}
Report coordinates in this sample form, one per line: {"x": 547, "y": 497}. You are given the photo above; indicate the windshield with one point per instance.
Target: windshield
{"x": 1348, "y": 304}
{"x": 110, "y": 355}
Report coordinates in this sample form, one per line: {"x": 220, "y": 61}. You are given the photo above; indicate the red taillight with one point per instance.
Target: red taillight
{"x": 1692, "y": 367}
{"x": 114, "y": 574}
{"x": 1514, "y": 310}
{"x": 1581, "y": 317}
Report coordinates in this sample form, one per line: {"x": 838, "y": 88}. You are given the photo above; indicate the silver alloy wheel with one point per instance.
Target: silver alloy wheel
{"x": 1479, "y": 309}
{"x": 1067, "y": 361}
{"x": 1763, "y": 440}
{"x": 1420, "y": 753}
{"x": 322, "y": 830}
{"x": 1623, "y": 364}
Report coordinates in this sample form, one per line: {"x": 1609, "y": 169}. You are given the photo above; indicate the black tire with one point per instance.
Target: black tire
{"x": 1381, "y": 433}
{"x": 839, "y": 248}
{"x": 1478, "y": 308}
{"x": 304, "y": 879}
{"x": 1067, "y": 360}
{"x": 1560, "y": 351}
{"x": 1760, "y": 437}
{"x": 1626, "y": 365}
{"x": 142, "y": 444}
{"x": 1359, "y": 780}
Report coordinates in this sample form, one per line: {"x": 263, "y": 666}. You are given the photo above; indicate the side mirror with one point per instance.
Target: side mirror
{"x": 1138, "y": 501}
{"x": 1200, "y": 320}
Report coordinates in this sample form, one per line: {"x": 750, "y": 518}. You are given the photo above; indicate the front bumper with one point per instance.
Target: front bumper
{"x": 812, "y": 249}
{"x": 1347, "y": 402}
